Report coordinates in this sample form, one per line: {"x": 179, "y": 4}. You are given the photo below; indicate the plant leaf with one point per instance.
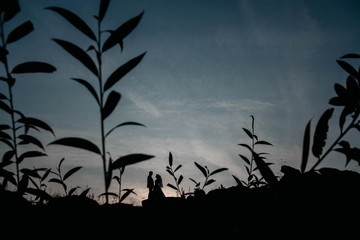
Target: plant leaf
{"x": 180, "y": 179}
{"x": 126, "y": 194}
{"x": 129, "y": 159}
{"x": 124, "y": 124}
{"x": 263, "y": 143}
{"x": 265, "y": 170}
{"x": 321, "y": 131}
{"x": 39, "y": 193}
{"x": 71, "y": 172}
{"x": 79, "y": 54}
{"x": 177, "y": 168}
{"x": 348, "y": 68}
{"x": 218, "y": 170}
{"x": 33, "y": 67}
{"x": 170, "y": 159}
{"x": 245, "y": 159}
{"x": 5, "y": 107}
{"x": 351, "y": 55}
{"x": 89, "y": 87}
{"x": 202, "y": 169}
{"x": 26, "y": 139}
{"x": 210, "y": 181}
{"x": 77, "y": 143}
{"x": 248, "y": 133}
{"x": 75, "y": 20}
{"x": 20, "y": 32}
{"x": 121, "y": 32}
{"x": 30, "y": 154}
{"x": 55, "y": 180}
{"x": 122, "y": 71}
{"x": 111, "y": 102}
{"x": 171, "y": 186}
{"x": 10, "y": 8}
{"x": 306, "y": 147}
{"x": 237, "y": 180}
{"x": 104, "y": 4}
{"x": 37, "y": 123}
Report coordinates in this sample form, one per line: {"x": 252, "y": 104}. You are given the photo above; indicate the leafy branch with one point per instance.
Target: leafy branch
{"x": 104, "y": 95}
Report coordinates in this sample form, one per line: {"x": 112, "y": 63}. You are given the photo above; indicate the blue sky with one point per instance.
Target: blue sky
{"x": 209, "y": 66}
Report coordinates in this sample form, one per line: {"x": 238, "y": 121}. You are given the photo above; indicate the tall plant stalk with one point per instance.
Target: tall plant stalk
{"x": 18, "y": 121}
{"x": 108, "y": 105}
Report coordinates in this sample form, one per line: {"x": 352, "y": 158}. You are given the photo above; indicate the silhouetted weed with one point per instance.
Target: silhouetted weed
{"x": 179, "y": 191}
{"x": 258, "y": 159}
{"x": 18, "y": 131}
{"x": 206, "y": 172}
{"x": 106, "y": 100}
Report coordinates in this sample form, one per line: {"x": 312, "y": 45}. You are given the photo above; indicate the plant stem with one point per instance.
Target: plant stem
{"x": 337, "y": 140}
{"x": 103, "y": 155}
{"x": 13, "y": 127}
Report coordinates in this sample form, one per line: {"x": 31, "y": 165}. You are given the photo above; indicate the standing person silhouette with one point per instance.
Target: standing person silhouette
{"x": 158, "y": 193}
{"x": 150, "y": 184}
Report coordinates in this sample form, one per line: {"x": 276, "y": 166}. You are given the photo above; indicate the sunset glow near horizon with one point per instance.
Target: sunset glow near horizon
{"x": 209, "y": 65}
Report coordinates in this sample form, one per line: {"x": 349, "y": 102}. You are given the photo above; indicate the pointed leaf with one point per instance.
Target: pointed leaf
{"x": 170, "y": 159}
{"x": 248, "y": 133}
{"x": 263, "y": 143}
{"x": 5, "y": 107}
{"x": 79, "y": 54}
{"x": 37, "y": 123}
{"x": 177, "y": 168}
{"x": 71, "y": 191}
{"x": 321, "y": 131}
{"x": 171, "y": 186}
{"x": 306, "y": 146}
{"x": 122, "y": 71}
{"x": 246, "y": 146}
{"x": 85, "y": 192}
{"x": 218, "y": 170}
{"x": 210, "y": 181}
{"x": 71, "y": 172}
{"x": 33, "y": 67}
{"x": 39, "y": 193}
{"x": 238, "y": 181}
{"x": 245, "y": 159}
{"x": 126, "y": 194}
{"x": 129, "y": 159}
{"x": 20, "y": 32}
{"x": 124, "y": 124}
{"x": 75, "y": 20}
{"x": 121, "y": 32}
{"x": 265, "y": 170}
{"x": 111, "y": 102}
{"x": 351, "y": 55}
{"x": 348, "y": 68}
{"x": 10, "y": 8}
{"x": 180, "y": 179}
{"x": 89, "y": 87}
{"x": 104, "y": 4}
{"x": 30, "y": 154}
{"x": 202, "y": 169}
{"x": 26, "y": 139}
{"x": 77, "y": 143}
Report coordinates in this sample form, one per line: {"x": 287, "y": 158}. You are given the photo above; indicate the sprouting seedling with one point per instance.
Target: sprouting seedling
{"x": 104, "y": 95}
{"x": 257, "y": 158}
{"x": 60, "y": 178}
{"x": 206, "y": 172}
{"x": 178, "y": 181}
{"x": 17, "y": 132}
{"x": 347, "y": 97}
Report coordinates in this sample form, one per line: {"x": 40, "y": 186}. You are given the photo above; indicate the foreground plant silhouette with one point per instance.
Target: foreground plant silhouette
{"x": 179, "y": 191}
{"x": 206, "y": 172}
{"x": 106, "y": 99}
{"x": 347, "y": 97}
{"x": 258, "y": 159}
{"x": 18, "y": 131}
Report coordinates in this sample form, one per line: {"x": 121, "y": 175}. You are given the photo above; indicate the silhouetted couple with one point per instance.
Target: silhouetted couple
{"x": 155, "y": 191}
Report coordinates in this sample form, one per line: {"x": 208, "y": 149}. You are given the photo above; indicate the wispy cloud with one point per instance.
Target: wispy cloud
{"x": 242, "y": 105}
{"x": 142, "y": 104}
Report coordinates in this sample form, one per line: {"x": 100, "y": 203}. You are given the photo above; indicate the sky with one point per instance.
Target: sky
{"x": 209, "y": 65}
